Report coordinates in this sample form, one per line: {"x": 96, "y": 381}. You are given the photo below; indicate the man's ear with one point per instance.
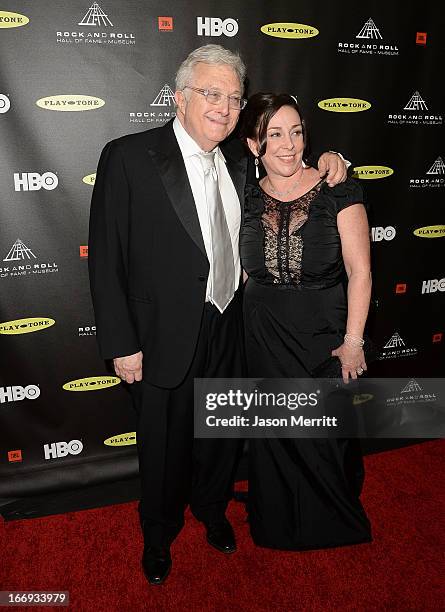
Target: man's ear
{"x": 253, "y": 146}
{"x": 180, "y": 100}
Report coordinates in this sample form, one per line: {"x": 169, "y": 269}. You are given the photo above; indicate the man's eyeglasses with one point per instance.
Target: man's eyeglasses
{"x": 215, "y": 97}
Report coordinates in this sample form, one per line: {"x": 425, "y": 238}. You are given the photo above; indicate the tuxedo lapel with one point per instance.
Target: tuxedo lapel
{"x": 167, "y": 156}
{"x": 169, "y": 161}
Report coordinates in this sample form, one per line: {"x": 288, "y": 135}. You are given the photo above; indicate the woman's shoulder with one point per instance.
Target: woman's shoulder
{"x": 349, "y": 187}
{"x": 344, "y": 194}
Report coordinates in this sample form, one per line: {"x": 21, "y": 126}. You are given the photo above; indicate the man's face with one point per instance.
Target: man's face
{"x": 206, "y": 123}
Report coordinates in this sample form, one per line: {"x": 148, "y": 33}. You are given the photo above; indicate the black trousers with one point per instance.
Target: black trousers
{"x": 177, "y": 469}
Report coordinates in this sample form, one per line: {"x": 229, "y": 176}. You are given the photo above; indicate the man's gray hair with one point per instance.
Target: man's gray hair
{"x": 209, "y": 54}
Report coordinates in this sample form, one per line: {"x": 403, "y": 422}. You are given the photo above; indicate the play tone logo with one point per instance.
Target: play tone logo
{"x": 430, "y": 231}
{"x": 95, "y": 30}
{"x": 12, "y": 20}
{"x": 19, "y": 260}
{"x": 89, "y": 179}
{"x": 5, "y": 103}
{"x": 25, "y": 326}
{"x": 93, "y": 383}
{"x": 344, "y": 105}
{"x": 125, "y": 439}
{"x": 372, "y": 172}
{"x": 395, "y": 348}
{"x": 416, "y": 113}
{"x": 361, "y": 398}
{"x": 289, "y": 30}
{"x": 434, "y": 176}
{"x": 368, "y": 41}
{"x": 163, "y": 108}
{"x": 70, "y": 103}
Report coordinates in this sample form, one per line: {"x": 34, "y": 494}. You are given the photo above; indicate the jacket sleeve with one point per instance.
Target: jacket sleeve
{"x": 313, "y": 159}
{"x": 108, "y": 256}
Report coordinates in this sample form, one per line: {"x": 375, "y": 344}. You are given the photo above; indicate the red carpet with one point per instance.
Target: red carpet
{"x": 95, "y": 555}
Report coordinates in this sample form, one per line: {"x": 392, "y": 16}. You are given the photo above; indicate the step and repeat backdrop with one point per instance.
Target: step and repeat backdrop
{"x": 74, "y": 75}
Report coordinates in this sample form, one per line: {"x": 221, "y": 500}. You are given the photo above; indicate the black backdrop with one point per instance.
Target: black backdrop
{"x": 76, "y": 74}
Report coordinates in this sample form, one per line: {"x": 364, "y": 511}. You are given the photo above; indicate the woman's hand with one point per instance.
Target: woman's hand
{"x": 352, "y": 360}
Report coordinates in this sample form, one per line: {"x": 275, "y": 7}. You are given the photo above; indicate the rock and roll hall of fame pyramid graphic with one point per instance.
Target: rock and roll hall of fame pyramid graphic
{"x": 165, "y": 97}
{"x": 369, "y": 30}
{"x": 411, "y": 387}
{"x": 416, "y": 103}
{"x": 394, "y": 341}
{"x": 19, "y": 251}
{"x": 95, "y": 17}
{"x": 438, "y": 167}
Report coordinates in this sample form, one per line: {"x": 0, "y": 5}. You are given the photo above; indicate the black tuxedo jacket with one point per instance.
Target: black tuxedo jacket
{"x": 147, "y": 261}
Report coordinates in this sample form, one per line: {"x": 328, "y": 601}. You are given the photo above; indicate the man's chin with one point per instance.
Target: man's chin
{"x": 216, "y": 138}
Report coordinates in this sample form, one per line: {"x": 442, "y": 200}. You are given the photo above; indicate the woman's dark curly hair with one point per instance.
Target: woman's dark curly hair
{"x": 260, "y": 109}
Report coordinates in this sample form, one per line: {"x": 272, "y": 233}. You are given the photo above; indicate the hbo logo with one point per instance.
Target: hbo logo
{"x": 17, "y": 393}
{"x": 433, "y": 285}
{"x": 62, "y": 449}
{"x": 5, "y": 104}
{"x": 383, "y": 233}
{"x": 33, "y": 181}
{"x": 213, "y": 26}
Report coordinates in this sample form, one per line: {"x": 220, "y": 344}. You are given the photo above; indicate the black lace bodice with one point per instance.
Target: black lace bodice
{"x": 296, "y": 243}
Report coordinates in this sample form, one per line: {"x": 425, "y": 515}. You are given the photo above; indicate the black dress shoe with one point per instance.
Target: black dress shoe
{"x": 220, "y": 536}
{"x": 156, "y": 563}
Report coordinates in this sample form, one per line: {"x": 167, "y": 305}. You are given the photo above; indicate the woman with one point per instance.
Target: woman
{"x": 305, "y": 249}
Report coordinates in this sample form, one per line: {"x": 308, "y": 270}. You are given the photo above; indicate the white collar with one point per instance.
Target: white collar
{"x": 188, "y": 146}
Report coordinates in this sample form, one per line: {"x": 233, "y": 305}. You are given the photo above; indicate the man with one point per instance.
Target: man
{"x": 165, "y": 272}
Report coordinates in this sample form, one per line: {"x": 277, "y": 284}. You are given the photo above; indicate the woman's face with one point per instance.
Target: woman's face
{"x": 285, "y": 143}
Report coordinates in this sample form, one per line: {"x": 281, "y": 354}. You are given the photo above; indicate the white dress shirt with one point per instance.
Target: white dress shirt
{"x": 231, "y": 204}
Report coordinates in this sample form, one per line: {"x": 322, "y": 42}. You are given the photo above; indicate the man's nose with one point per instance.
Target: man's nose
{"x": 223, "y": 106}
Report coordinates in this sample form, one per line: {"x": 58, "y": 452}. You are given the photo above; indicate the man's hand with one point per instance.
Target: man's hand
{"x": 129, "y": 368}
{"x": 334, "y": 166}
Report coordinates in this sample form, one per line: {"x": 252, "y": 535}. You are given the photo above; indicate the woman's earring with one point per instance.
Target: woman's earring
{"x": 257, "y": 163}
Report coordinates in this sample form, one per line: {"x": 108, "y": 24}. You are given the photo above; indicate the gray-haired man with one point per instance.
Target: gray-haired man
{"x": 165, "y": 276}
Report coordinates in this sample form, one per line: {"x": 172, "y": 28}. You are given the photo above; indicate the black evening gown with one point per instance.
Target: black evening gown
{"x": 303, "y": 493}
